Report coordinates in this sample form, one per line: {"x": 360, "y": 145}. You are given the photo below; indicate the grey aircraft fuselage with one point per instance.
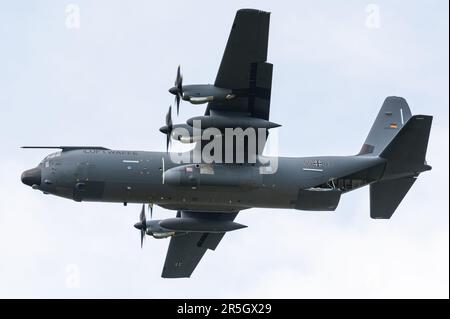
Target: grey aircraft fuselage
{"x": 104, "y": 175}
{"x": 208, "y": 197}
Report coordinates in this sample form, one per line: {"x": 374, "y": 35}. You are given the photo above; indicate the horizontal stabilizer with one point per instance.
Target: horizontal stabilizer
{"x": 385, "y": 196}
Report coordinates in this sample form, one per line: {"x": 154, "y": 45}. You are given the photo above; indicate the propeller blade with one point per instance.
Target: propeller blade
{"x": 177, "y": 101}
{"x": 150, "y": 208}
{"x": 167, "y": 143}
{"x": 177, "y": 79}
{"x": 178, "y": 89}
{"x": 169, "y": 118}
{"x": 169, "y": 125}
{"x": 180, "y": 85}
{"x": 143, "y": 224}
{"x": 142, "y": 215}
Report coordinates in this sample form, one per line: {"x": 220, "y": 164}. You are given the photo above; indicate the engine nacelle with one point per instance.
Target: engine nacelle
{"x": 222, "y": 122}
{"x": 200, "y": 225}
{"x": 199, "y": 100}
{"x": 205, "y": 93}
{"x": 184, "y": 133}
{"x": 171, "y": 226}
{"x": 157, "y": 231}
{"x": 161, "y": 235}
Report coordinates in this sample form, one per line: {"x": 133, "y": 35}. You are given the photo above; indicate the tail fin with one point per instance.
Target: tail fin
{"x": 405, "y": 154}
{"x": 393, "y": 115}
{"x": 405, "y": 160}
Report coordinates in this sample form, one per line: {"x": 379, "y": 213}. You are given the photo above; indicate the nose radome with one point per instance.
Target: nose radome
{"x": 32, "y": 177}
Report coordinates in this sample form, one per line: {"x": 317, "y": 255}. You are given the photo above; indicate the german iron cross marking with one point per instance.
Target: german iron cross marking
{"x": 317, "y": 163}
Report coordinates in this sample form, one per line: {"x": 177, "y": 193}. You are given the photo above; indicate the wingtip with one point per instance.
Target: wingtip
{"x": 251, "y": 10}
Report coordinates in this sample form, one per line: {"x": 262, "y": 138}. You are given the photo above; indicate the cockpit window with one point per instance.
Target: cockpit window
{"x": 50, "y": 156}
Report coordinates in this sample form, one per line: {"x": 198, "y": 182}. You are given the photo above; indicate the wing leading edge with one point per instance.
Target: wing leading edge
{"x": 186, "y": 250}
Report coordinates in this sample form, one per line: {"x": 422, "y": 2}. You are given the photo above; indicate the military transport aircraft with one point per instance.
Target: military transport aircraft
{"x": 208, "y": 194}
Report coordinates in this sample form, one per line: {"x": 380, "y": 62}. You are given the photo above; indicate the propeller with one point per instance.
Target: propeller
{"x": 177, "y": 90}
{"x": 142, "y": 225}
{"x": 167, "y": 129}
{"x": 169, "y": 125}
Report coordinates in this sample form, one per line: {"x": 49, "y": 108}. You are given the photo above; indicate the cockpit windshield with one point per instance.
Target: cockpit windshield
{"x": 50, "y": 156}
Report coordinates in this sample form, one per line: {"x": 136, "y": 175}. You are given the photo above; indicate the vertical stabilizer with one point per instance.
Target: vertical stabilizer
{"x": 392, "y": 117}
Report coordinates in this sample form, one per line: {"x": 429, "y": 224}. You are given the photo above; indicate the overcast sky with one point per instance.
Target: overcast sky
{"x": 105, "y": 83}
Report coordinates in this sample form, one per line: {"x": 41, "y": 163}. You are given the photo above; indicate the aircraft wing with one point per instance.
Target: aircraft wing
{"x": 244, "y": 69}
{"x": 186, "y": 250}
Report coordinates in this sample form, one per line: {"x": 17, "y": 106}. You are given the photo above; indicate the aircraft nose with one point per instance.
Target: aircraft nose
{"x": 32, "y": 177}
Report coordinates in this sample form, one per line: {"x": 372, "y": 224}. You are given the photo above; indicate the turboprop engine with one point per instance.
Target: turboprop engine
{"x": 180, "y": 225}
{"x": 198, "y": 93}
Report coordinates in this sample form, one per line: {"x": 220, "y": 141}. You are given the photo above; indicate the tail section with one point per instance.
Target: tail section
{"x": 402, "y": 140}
{"x": 405, "y": 154}
{"x": 385, "y": 196}
{"x": 393, "y": 115}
